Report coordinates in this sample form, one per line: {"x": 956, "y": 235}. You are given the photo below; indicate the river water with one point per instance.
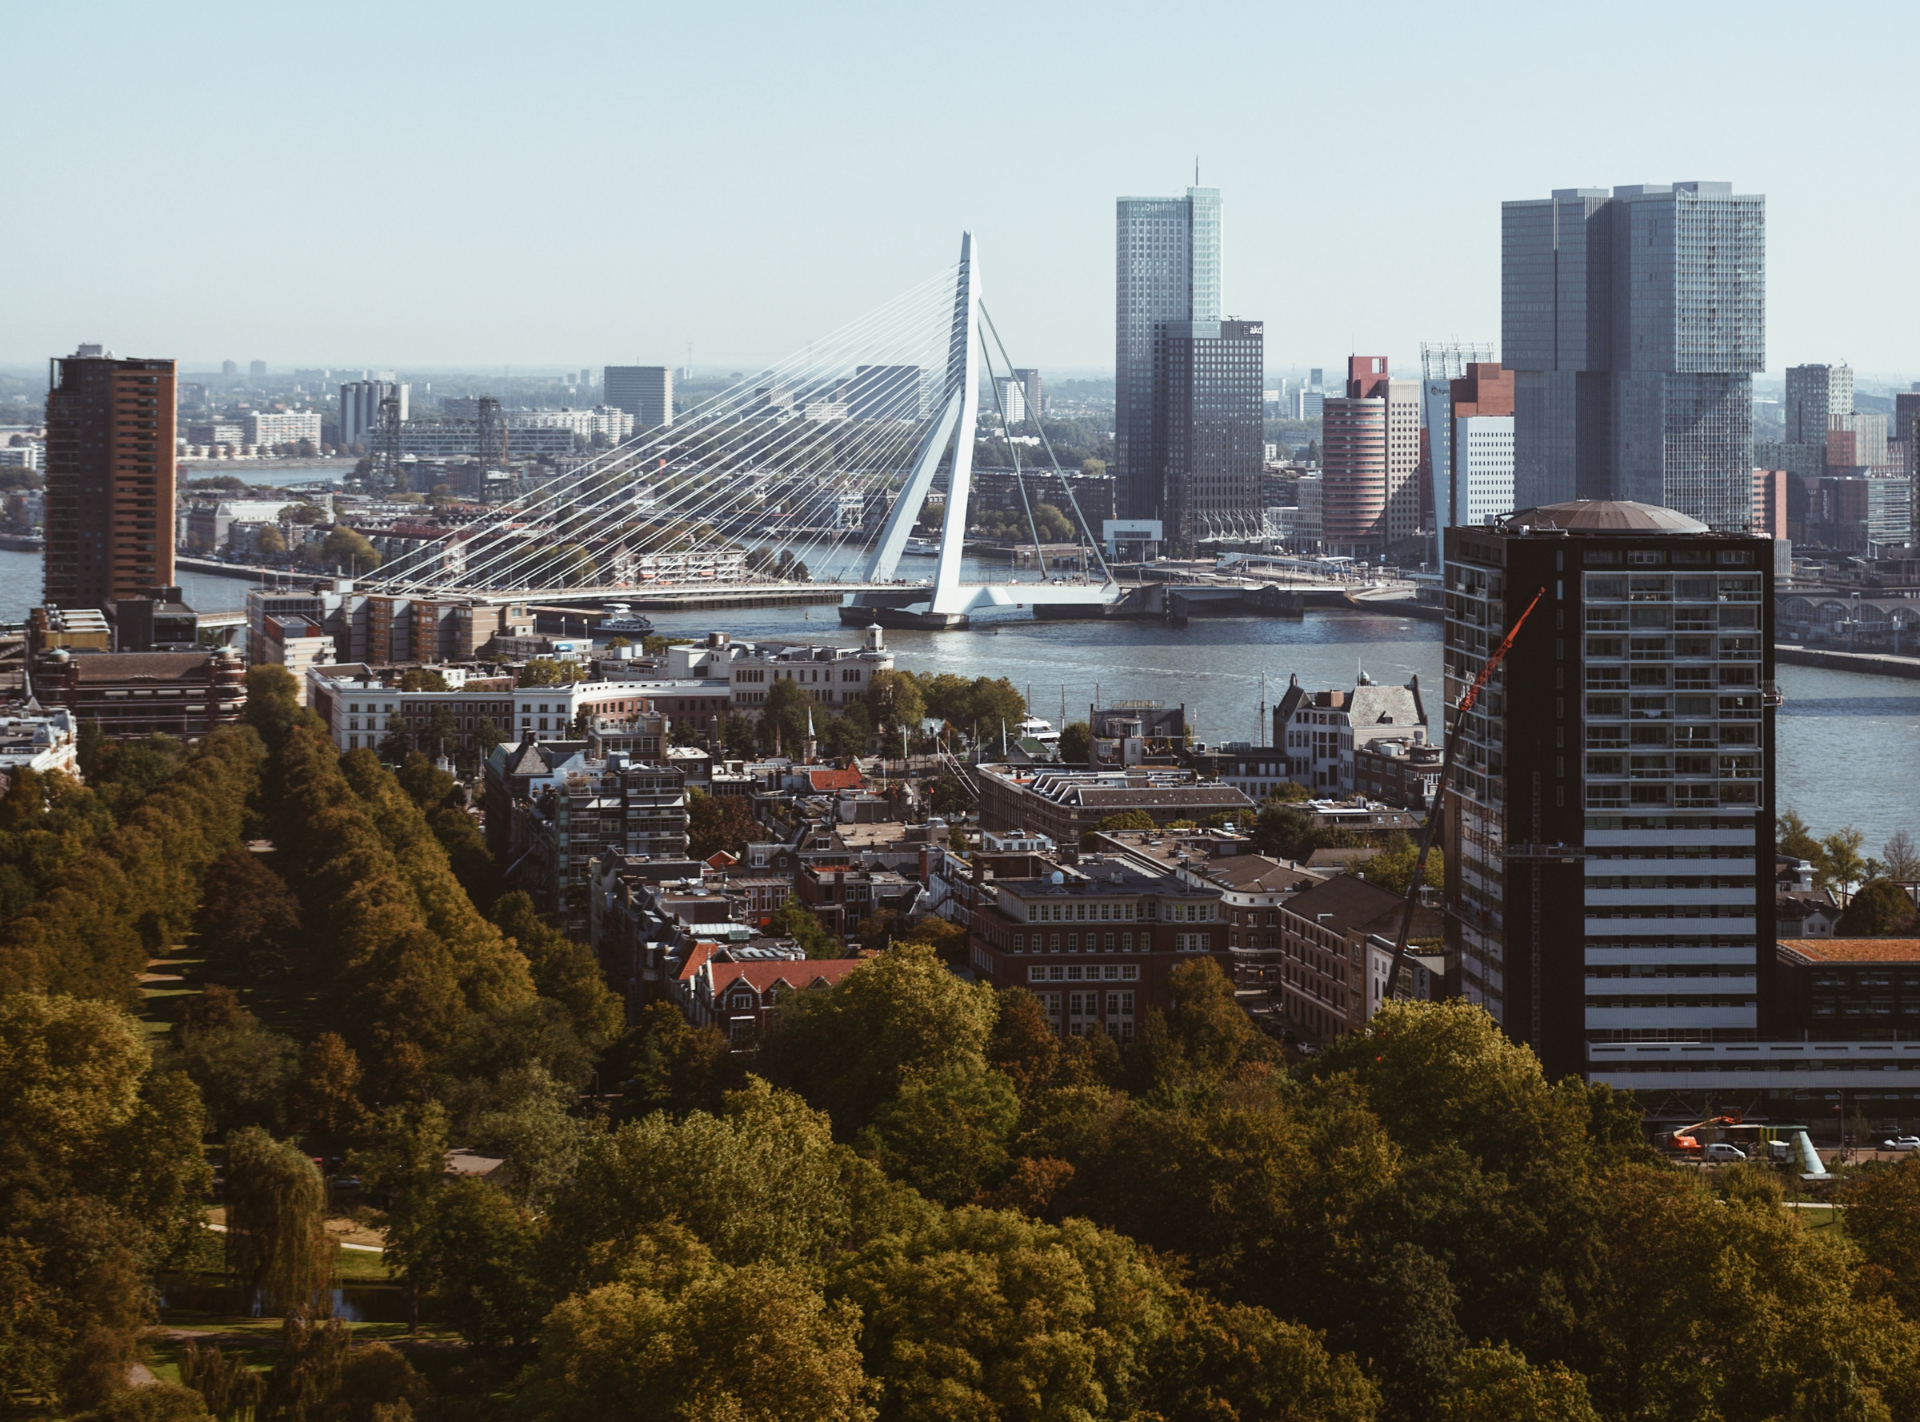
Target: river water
{"x": 1849, "y": 744}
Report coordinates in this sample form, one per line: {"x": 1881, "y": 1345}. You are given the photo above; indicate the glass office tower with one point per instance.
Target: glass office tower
{"x": 1633, "y": 322}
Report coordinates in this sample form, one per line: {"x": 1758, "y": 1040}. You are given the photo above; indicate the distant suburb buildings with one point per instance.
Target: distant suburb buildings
{"x": 1633, "y": 322}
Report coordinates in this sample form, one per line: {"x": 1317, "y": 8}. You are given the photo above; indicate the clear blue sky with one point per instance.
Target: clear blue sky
{"x": 472, "y": 184}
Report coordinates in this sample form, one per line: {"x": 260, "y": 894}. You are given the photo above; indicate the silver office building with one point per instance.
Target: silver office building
{"x": 1633, "y": 322}
{"x": 1168, "y": 269}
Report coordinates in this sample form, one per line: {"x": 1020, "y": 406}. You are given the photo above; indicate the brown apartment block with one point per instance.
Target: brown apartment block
{"x": 110, "y": 444}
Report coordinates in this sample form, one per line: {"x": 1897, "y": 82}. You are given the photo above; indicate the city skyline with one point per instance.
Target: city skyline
{"x": 571, "y": 283}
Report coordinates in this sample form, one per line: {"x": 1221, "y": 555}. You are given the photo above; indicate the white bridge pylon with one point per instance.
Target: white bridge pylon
{"x": 953, "y": 428}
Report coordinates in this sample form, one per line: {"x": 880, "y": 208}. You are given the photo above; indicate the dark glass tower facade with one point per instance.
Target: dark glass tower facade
{"x": 1633, "y": 322}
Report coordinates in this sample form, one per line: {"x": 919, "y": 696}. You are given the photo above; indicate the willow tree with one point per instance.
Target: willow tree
{"x": 277, "y": 1242}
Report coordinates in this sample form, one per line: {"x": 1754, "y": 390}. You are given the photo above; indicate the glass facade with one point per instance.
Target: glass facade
{"x": 1634, "y": 322}
{"x": 1167, "y": 268}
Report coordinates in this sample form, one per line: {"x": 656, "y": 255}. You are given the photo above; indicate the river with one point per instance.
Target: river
{"x": 1849, "y": 744}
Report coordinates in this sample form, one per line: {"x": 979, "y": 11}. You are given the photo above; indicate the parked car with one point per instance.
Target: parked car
{"x": 1901, "y": 1143}
{"x": 1725, "y": 1153}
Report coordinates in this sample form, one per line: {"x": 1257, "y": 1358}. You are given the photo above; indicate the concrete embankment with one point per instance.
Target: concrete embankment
{"x": 1871, "y": 663}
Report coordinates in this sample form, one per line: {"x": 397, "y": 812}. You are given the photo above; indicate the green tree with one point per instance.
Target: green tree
{"x": 795, "y": 920}
{"x": 1496, "y": 1384}
{"x": 103, "y": 1176}
{"x": 242, "y": 1069}
{"x": 269, "y": 540}
{"x": 249, "y": 920}
{"x": 1220, "y": 1360}
{"x": 946, "y": 1132}
{"x": 1880, "y": 907}
{"x": 1392, "y": 867}
{"x": 756, "y": 1343}
{"x": 850, "y": 1048}
{"x": 846, "y": 735}
{"x": 1791, "y": 836}
{"x": 895, "y": 699}
{"x": 546, "y": 671}
{"x": 1841, "y": 866}
{"x": 422, "y": 679}
{"x": 323, "y": 1101}
{"x": 949, "y": 795}
{"x": 784, "y": 716}
{"x": 676, "y": 1067}
{"x": 1076, "y": 743}
{"x": 348, "y": 551}
{"x": 719, "y": 822}
{"x": 277, "y": 1241}
{"x": 563, "y": 970}
{"x": 1883, "y": 1217}
{"x": 952, "y": 1308}
{"x": 1126, "y": 820}
{"x": 475, "y": 1253}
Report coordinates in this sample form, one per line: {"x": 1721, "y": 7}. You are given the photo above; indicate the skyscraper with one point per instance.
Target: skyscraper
{"x": 110, "y": 442}
{"x": 1815, "y": 394}
{"x": 1370, "y": 452}
{"x": 643, "y": 391}
{"x": 1168, "y": 269}
{"x": 1633, "y": 323}
{"x": 1609, "y": 841}
{"x": 1207, "y": 379}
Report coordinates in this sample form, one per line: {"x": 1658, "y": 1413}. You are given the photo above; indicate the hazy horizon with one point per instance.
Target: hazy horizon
{"x": 434, "y": 187}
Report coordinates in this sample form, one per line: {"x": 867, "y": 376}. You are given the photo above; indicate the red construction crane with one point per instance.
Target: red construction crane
{"x": 1437, "y": 805}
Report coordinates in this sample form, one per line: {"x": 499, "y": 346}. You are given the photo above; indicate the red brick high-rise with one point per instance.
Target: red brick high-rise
{"x": 110, "y": 464}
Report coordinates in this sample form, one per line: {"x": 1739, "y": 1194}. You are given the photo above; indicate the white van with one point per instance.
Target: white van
{"x": 1725, "y": 1154}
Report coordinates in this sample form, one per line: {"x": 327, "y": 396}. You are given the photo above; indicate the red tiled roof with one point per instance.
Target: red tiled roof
{"x": 720, "y": 859}
{"x": 848, "y": 779}
{"x": 696, "y": 959}
{"x": 1854, "y": 950}
{"x": 761, "y": 976}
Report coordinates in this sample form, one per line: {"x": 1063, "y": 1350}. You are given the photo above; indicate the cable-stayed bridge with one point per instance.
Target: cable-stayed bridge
{"x": 817, "y": 467}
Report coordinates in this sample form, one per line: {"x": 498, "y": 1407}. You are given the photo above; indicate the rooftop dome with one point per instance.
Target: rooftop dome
{"x": 1605, "y": 516}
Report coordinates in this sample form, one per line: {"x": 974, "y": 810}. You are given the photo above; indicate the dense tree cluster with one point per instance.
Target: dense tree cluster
{"x": 911, "y": 1199}
{"x": 108, "y": 900}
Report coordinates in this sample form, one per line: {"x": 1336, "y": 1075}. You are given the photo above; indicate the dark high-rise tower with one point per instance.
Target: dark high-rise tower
{"x": 1610, "y": 832}
{"x": 110, "y": 452}
{"x": 1176, "y": 361}
{"x": 1633, "y": 323}
{"x": 1207, "y": 379}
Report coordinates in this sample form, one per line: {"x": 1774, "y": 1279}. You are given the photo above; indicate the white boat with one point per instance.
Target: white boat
{"x": 620, "y": 617}
{"x": 922, "y": 545}
{"x": 1039, "y": 730}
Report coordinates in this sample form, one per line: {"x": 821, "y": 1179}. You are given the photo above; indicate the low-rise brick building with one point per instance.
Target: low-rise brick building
{"x": 1097, "y": 943}
{"x": 1332, "y": 970}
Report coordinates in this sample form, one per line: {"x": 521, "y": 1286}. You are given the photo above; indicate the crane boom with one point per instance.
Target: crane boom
{"x": 1437, "y": 807}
